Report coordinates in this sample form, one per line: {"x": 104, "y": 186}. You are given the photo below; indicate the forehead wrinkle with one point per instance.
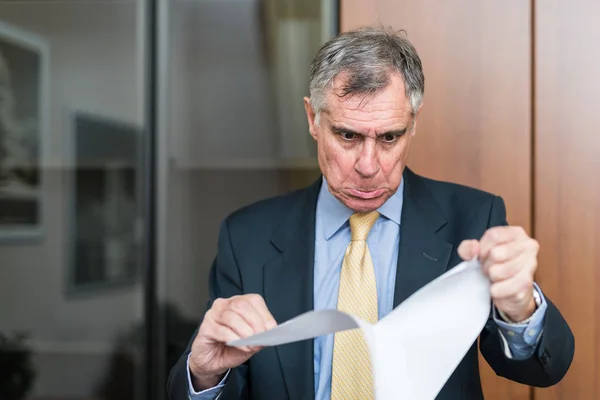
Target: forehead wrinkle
{"x": 365, "y": 105}
{"x": 373, "y": 115}
{"x": 392, "y": 120}
{"x": 380, "y": 118}
{"x": 374, "y": 108}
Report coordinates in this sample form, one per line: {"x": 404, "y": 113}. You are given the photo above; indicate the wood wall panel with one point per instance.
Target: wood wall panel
{"x": 475, "y": 126}
{"x": 567, "y": 183}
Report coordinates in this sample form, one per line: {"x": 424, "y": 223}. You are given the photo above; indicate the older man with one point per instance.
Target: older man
{"x": 362, "y": 239}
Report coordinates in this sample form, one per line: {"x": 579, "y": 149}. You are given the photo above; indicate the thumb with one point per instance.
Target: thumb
{"x": 468, "y": 249}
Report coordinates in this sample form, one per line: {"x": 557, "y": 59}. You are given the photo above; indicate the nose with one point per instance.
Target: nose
{"x": 367, "y": 164}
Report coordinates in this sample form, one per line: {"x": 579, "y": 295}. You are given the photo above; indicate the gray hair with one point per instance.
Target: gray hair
{"x": 369, "y": 56}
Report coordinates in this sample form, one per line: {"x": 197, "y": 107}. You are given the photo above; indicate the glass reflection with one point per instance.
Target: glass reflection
{"x": 72, "y": 103}
{"x": 71, "y": 122}
{"x": 237, "y": 74}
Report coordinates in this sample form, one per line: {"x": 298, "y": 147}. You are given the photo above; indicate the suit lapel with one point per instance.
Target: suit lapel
{"x": 288, "y": 289}
{"x": 423, "y": 254}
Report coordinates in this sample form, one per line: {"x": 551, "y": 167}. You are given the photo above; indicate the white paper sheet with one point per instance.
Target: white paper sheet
{"x": 419, "y": 344}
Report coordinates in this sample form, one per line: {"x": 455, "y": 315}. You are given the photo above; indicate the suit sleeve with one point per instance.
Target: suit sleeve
{"x": 224, "y": 282}
{"x": 554, "y": 352}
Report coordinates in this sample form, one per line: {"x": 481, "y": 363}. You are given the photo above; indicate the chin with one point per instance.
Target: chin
{"x": 362, "y": 205}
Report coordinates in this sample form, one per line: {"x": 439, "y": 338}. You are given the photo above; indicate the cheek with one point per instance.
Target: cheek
{"x": 393, "y": 162}
{"x": 337, "y": 161}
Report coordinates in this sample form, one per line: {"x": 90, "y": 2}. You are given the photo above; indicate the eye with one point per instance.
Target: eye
{"x": 389, "y": 138}
{"x": 348, "y": 135}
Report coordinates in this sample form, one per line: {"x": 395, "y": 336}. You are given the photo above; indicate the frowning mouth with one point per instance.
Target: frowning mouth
{"x": 366, "y": 194}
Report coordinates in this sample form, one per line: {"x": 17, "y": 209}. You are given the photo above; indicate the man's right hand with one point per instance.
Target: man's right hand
{"x": 228, "y": 319}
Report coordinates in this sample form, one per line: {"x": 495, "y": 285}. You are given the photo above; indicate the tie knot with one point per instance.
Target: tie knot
{"x": 361, "y": 224}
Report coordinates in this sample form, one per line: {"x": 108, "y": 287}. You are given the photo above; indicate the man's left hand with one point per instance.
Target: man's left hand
{"x": 509, "y": 258}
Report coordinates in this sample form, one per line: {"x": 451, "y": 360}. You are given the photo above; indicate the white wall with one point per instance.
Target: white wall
{"x": 95, "y": 66}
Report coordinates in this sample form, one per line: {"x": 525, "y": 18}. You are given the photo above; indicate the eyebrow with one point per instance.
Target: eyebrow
{"x": 398, "y": 132}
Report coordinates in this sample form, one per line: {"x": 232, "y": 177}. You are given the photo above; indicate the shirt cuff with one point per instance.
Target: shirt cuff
{"x": 521, "y": 339}
{"x": 207, "y": 394}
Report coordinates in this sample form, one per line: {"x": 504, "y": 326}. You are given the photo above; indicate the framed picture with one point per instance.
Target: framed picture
{"x": 105, "y": 213}
{"x": 24, "y": 60}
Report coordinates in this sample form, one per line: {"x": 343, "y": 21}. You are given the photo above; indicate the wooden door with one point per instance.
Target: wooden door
{"x": 567, "y": 179}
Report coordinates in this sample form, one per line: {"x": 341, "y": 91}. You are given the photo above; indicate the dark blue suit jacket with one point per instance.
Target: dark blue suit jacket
{"x": 268, "y": 248}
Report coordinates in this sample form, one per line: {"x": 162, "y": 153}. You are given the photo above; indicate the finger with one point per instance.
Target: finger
{"x": 505, "y": 253}
{"x": 235, "y": 322}
{"x": 499, "y": 235}
{"x": 221, "y": 333}
{"x": 514, "y": 289}
{"x": 261, "y": 307}
{"x": 506, "y": 270}
{"x": 240, "y": 305}
{"x": 216, "y": 308}
{"x": 224, "y": 334}
{"x": 468, "y": 249}
{"x": 244, "y": 307}
{"x": 219, "y": 304}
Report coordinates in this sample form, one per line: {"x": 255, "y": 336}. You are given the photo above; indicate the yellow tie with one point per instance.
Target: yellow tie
{"x": 351, "y": 375}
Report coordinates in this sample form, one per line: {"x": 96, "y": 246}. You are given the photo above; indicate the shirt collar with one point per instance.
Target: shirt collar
{"x": 334, "y": 213}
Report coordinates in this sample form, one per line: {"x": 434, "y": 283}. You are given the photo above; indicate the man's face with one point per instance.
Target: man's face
{"x": 363, "y": 143}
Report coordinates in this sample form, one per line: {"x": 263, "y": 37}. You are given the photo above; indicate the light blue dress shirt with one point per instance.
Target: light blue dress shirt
{"x": 332, "y": 236}
{"x": 331, "y": 240}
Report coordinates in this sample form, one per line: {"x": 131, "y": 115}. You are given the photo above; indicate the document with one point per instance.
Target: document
{"x": 416, "y": 347}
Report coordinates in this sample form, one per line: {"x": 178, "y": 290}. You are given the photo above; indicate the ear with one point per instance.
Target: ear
{"x": 414, "y": 128}
{"x": 310, "y": 115}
